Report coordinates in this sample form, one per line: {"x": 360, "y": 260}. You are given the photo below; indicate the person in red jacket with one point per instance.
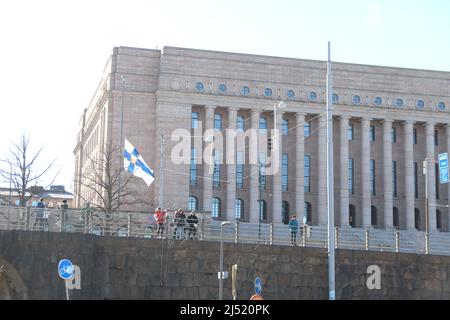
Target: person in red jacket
{"x": 160, "y": 217}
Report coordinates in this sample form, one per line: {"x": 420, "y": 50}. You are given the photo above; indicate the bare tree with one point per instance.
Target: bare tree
{"x": 107, "y": 186}
{"x": 21, "y": 169}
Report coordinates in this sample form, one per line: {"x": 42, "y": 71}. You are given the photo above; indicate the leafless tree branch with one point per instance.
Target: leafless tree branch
{"x": 23, "y": 168}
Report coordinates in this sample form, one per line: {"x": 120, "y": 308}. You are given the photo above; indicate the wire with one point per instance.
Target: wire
{"x": 211, "y": 177}
{"x": 290, "y": 129}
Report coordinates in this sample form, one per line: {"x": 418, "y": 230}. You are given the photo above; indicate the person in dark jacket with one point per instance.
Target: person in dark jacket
{"x": 41, "y": 219}
{"x": 180, "y": 221}
{"x": 192, "y": 220}
{"x": 293, "y": 225}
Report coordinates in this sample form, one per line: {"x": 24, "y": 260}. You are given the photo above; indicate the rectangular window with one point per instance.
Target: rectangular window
{"x": 436, "y": 176}
{"x": 240, "y": 123}
{"x": 194, "y": 120}
{"x": 416, "y": 185}
{"x": 284, "y": 172}
{"x": 350, "y": 132}
{"x": 285, "y": 127}
{"x": 262, "y": 125}
{"x": 394, "y": 177}
{"x": 414, "y": 136}
{"x": 350, "y": 176}
{"x": 193, "y": 168}
{"x": 372, "y": 133}
{"x": 239, "y": 170}
{"x": 262, "y": 171}
{"x": 217, "y": 121}
{"x": 436, "y": 137}
{"x": 307, "y": 129}
{"x": 307, "y": 175}
{"x": 217, "y": 169}
{"x": 238, "y": 209}
{"x": 394, "y": 135}
{"x": 372, "y": 177}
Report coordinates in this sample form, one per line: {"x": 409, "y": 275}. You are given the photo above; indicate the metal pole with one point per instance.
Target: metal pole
{"x": 425, "y": 171}
{"x": 9, "y": 200}
{"x": 130, "y": 216}
{"x": 260, "y": 203}
{"x": 121, "y": 137}
{"x": 221, "y": 264}
{"x": 161, "y": 169}
{"x": 330, "y": 191}
{"x": 221, "y": 259}
{"x": 67, "y": 290}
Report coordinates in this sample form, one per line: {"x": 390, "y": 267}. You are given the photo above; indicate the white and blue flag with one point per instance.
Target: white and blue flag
{"x": 135, "y": 164}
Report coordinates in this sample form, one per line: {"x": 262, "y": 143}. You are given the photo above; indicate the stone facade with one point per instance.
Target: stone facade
{"x": 398, "y": 118}
{"x": 130, "y": 268}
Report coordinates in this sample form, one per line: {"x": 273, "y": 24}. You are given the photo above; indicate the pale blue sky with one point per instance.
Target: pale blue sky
{"x": 53, "y": 52}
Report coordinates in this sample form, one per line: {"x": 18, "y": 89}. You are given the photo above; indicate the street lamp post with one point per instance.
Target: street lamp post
{"x": 277, "y": 148}
{"x": 425, "y": 172}
{"x": 330, "y": 175}
{"x": 121, "y": 143}
{"x": 221, "y": 259}
{"x": 260, "y": 208}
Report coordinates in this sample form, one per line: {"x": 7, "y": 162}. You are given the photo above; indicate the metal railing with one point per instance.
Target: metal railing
{"x": 139, "y": 224}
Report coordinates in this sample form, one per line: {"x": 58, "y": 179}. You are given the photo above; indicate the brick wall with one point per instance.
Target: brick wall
{"x": 130, "y": 268}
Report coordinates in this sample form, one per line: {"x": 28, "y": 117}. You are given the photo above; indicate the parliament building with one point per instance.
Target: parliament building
{"x": 386, "y": 122}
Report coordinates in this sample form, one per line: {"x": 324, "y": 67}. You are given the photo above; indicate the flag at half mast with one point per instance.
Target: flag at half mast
{"x": 135, "y": 164}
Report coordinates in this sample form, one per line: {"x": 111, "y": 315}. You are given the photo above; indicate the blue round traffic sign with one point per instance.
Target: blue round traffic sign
{"x": 258, "y": 285}
{"x": 65, "y": 269}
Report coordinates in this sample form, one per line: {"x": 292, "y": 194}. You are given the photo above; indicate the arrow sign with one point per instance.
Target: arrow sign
{"x": 443, "y": 168}
{"x": 65, "y": 269}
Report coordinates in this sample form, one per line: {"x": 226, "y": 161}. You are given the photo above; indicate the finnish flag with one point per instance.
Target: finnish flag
{"x": 135, "y": 164}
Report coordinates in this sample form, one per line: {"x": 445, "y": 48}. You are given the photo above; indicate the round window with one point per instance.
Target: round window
{"x": 398, "y": 102}
{"x": 377, "y": 101}
{"x": 267, "y": 92}
{"x": 222, "y": 87}
{"x": 335, "y": 97}
{"x": 245, "y": 90}
{"x": 356, "y": 99}
{"x": 312, "y": 96}
{"x": 420, "y": 104}
{"x": 199, "y": 87}
{"x": 290, "y": 94}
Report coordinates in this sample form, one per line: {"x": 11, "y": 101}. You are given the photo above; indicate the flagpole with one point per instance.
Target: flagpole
{"x": 161, "y": 170}
{"x": 330, "y": 176}
{"x": 121, "y": 139}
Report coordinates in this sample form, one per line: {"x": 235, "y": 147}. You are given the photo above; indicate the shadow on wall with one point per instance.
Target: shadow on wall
{"x": 12, "y": 286}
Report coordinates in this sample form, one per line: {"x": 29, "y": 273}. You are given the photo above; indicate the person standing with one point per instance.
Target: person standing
{"x": 64, "y": 206}
{"x": 179, "y": 221}
{"x": 192, "y": 220}
{"x": 40, "y": 214}
{"x": 160, "y": 217}
{"x": 293, "y": 225}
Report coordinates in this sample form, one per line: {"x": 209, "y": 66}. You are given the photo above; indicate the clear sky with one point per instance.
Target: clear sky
{"x": 53, "y": 52}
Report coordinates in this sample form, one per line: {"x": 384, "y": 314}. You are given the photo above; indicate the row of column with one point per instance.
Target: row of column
{"x": 387, "y": 172}
{"x": 344, "y": 197}
{"x": 254, "y": 169}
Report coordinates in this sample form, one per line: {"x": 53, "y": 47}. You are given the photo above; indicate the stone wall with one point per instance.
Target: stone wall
{"x": 131, "y": 268}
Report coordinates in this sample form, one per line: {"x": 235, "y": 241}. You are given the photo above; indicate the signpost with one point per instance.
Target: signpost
{"x": 233, "y": 281}
{"x": 258, "y": 285}
{"x": 65, "y": 272}
{"x": 443, "y": 168}
{"x": 258, "y": 290}
{"x": 71, "y": 274}
{"x": 65, "y": 269}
